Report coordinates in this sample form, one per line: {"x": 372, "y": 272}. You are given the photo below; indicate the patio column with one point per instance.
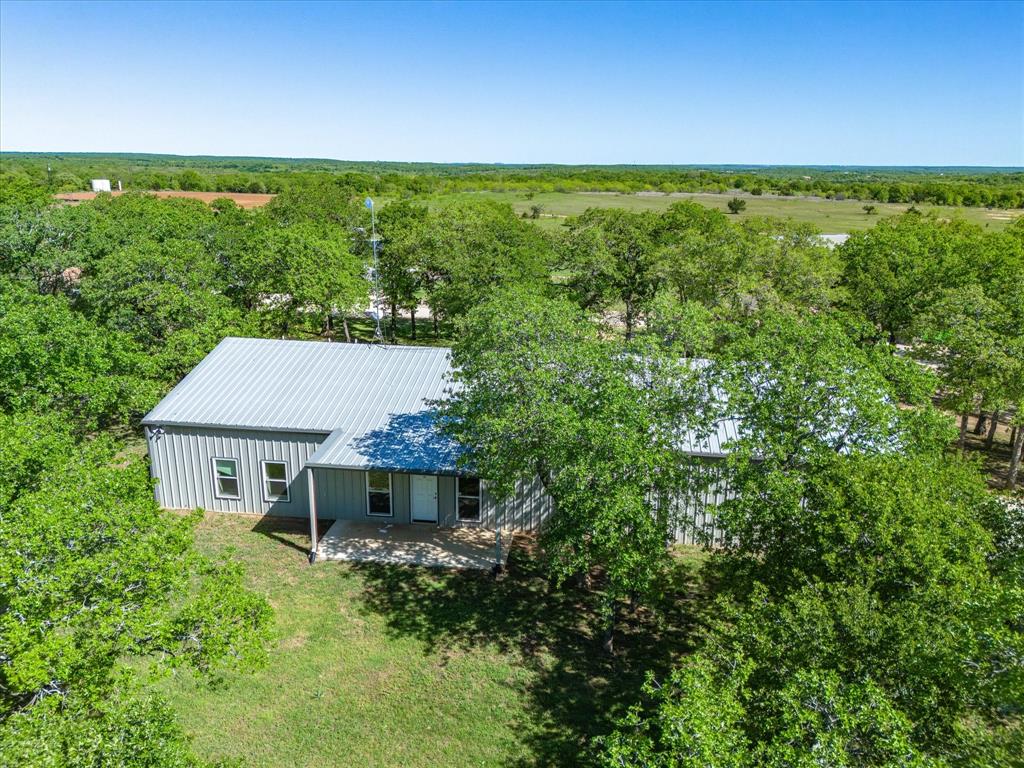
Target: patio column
{"x": 313, "y": 534}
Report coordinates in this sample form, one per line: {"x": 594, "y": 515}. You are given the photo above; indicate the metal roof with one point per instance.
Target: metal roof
{"x": 712, "y": 445}
{"x": 407, "y": 442}
{"x": 304, "y": 386}
{"x": 371, "y": 400}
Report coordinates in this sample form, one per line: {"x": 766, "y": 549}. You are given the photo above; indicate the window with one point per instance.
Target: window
{"x": 275, "y": 481}
{"x": 469, "y": 499}
{"x": 378, "y": 493}
{"x": 225, "y": 478}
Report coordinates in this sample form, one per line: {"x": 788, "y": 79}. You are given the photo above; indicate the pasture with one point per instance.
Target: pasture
{"x": 830, "y": 216}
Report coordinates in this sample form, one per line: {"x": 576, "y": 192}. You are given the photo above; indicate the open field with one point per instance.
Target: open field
{"x": 830, "y": 216}
{"x": 376, "y": 665}
{"x": 242, "y": 199}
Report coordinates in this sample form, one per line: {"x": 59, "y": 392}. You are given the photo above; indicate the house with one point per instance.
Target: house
{"x": 344, "y": 432}
{"x": 317, "y": 430}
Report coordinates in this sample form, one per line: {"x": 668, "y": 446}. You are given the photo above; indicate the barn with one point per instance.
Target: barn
{"x": 330, "y": 432}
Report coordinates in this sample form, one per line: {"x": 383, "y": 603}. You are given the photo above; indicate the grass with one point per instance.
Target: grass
{"x": 994, "y": 462}
{"x": 363, "y": 330}
{"x": 377, "y": 665}
{"x": 830, "y": 216}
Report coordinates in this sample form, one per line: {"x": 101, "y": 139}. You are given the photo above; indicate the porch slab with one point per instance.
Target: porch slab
{"x": 415, "y": 544}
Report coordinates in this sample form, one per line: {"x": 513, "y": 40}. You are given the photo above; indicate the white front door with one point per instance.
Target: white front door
{"x": 423, "y": 500}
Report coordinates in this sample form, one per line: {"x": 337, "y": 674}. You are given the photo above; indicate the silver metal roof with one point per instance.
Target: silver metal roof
{"x": 371, "y": 400}
{"x": 712, "y": 445}
{"x": 304, "y": 386}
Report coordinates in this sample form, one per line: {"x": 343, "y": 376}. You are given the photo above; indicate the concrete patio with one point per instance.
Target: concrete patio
{"x": 416, "y": 544}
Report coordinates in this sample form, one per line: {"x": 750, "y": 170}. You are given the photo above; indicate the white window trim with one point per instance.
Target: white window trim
{"x": 479, "y": 502}
{"x": 267, "y": 496}
{"x": 391, "y": 495}
{"x": 216, "y": 478}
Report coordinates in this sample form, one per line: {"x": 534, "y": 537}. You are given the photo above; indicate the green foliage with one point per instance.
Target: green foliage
{"x": 478, "y": 248}
{"x": 31, "y": 446}
{"x": 125, "y": 728}
{"x": 736, "y": 205}
{"x": 405, "y": 250}
{"x": 53, "y": 359}
{"x": 700, "y": 716}
{"x": 543, "y": 395}
{"x": 737, "y": 269}
{"x": 613, "y": 257}
{"x": 871, "y": 609}
{"x": 967, "y": 335}
{"x": 306, "y": 274}
{"x": 1002, "y": 188}
{"x": 332, "y": 202}
{"x": 894, "y": 270}
{"x": 874, "y": 633}
{"x": 93, "y": 574}
{"x": 164, "y": 295}
{"x": 689, "y": 327}
{"x": 696, "y": 722}
{"x": 103, "y": 306}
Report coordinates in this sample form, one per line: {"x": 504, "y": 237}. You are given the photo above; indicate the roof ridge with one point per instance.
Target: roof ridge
{"x": 343, "y": 344}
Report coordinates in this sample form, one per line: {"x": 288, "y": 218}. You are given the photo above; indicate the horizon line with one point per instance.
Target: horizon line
{"x": 547, "y": 164}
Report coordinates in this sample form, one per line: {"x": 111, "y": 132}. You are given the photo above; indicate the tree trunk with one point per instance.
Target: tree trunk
{"x": 344, "y": 322}
{"x": 394, "y": 321}
{"x": 329, "y": 327}
{"x": 608, "y": 640}
{"x": 1018, "y": 442}
{"x": 991, "y": 436}
{"x": 962, "y": 442}
{"x": 979, "y": 425}
{"x": 629, "y": 321}
{"x": 412, "y": 320}
{"x": 433, "y": 316}
{"x": 583, "y": 580}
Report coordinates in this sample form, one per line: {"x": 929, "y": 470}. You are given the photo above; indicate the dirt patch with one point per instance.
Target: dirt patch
{"x": 241, "y": 199}
{"x": 294, "y": 642}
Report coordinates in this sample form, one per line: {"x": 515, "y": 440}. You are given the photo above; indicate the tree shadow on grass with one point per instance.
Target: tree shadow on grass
{"x": 283, "y": 530}
{"x": 575, "y": 691}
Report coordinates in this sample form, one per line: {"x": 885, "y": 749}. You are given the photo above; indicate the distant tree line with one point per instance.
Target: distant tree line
{"x": 953, "y": 187}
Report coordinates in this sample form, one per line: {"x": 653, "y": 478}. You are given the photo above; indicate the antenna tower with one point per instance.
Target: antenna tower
{"x": 377, "y": 334}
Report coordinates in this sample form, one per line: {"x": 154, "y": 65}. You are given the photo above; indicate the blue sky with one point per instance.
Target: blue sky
{"x": 815, "y": 83}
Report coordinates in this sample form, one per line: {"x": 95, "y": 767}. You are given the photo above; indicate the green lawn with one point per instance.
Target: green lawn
{"x": 364, "y": 329}
{"x": 830, "y": 216}
{"x": 378, "y": 665}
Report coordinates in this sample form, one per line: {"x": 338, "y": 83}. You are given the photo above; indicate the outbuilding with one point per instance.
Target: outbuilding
{"x": 317, "y": 430}
{"x": 339, "y": 432}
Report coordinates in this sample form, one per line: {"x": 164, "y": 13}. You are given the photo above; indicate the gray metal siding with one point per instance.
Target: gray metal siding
{"x": 181, "y": 460}
{"x": 446, "y": 501}
{"x": 341, "y": 495}
{"x": 525, "y": 510}
{"x": 694, "y": 514}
